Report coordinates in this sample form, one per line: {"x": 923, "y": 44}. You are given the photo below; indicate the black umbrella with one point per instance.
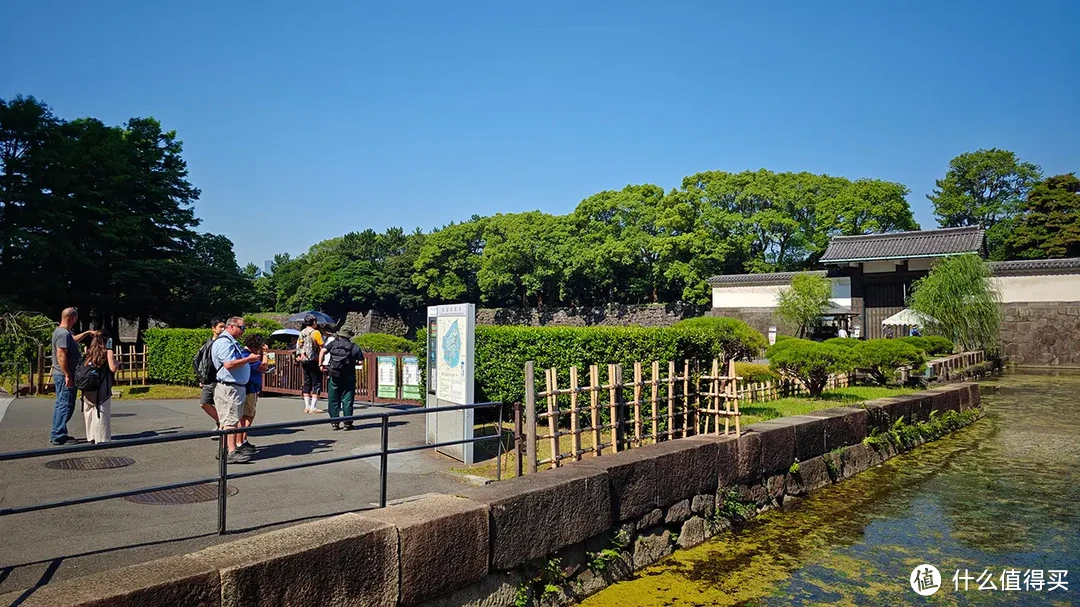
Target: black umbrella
{"x": 320, "y": 317}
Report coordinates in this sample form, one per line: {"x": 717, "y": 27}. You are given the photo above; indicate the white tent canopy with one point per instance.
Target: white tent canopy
{"x": 905, "y": 318}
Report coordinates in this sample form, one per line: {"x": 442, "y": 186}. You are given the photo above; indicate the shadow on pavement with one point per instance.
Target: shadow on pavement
{"x": 300, "y": 447}
{"x": 147, "y": 433}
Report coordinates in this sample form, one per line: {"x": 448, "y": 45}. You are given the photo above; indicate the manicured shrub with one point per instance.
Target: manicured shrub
{"x": 262, "y": 322}
{"x": 383, "y": 342}
{"x": 811, "y": 362}
{"x": 939, "y": 346}
{"x": 169, "y": 353}
{"x": 755, "y": 373}
{"x": 920, "y": 343}
{"x": 882, "y": 358}
{"x": 723, "y": 338}
{"x": 846, "y": 342}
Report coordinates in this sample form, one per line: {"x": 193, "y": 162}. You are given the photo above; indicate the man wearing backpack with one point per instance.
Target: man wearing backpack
{"x": 233, "y": 374}
{"x": 206, "y": 373}
{"x": 308, "y": 346}
{"x": 341, "y": 356}
{"x": 66, "y": 357}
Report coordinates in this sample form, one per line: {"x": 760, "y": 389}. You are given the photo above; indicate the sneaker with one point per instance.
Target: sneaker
{"x": 246, "y": 448}
{"x": 237, "y": 457}
{"x": 215, "y": 437}
{"x": 349, "y": 427}
{"x": 335, "y": 426}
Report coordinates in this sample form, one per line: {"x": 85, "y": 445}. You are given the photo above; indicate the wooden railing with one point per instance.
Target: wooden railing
{"x": 955, "y": 366}
{"x": 288, "y": 378}
{"x": 131, "y": 360}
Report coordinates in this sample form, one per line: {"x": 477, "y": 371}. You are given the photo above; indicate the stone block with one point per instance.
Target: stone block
{"x": 498, "y": 589}
{"x": 813, "y": 474}
{"x": 632, "y": 478}
{"x": 685, "y": 467}
{"x": 974, "y": 397}
{"x": 651, "y": 546}
{"x": 948, "y": 399}
{"x": 726, "y": 463}
{"x": 855, "y": 459}
{"x": 843, "y": 426}
{"x": 651, "y": 519}
{"x": 809, "y": 436}
{"x": 774, "y": 487}
{"x": 777, "y": 445}
{"x": 176, "y": 580}
{"x": 877, "y": 416}
{"x": 342, "y": 560}
{"x": 535, "y": 515}
{"x": 703, "y": 505}
{"x": 678, "y": 513}
{"x": 748, "y": 454}
{"x": 693, "y": 533}
{"x": 443, "y": 544}
{"x": 922, "y": 404}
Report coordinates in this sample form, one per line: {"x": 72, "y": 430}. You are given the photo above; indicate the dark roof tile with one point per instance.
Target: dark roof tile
{"x": 903, "y": 245}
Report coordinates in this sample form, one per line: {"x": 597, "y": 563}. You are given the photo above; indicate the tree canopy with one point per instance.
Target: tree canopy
{"x": 1049, "y": 225}
{"x": 804, "y": 302}
{"x": 959, "y": 301}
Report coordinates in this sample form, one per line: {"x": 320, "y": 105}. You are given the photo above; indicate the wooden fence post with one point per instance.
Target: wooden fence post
{"x": 553, "y": 414}
{"x": 637, "y": 403}
{"x": 530, "y": 416}
{"x": 575, "y": 430}
{"x": 518, "y": 437}
{"x": 612, "y": 388}
{"x": 671, "y": 400}
{"x": 654, "y": 387}
{"x": 594, "y": 401}
{"x": 686, "y": 398}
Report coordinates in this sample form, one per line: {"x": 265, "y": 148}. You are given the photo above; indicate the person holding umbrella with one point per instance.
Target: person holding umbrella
{"x": 308, "y": 346}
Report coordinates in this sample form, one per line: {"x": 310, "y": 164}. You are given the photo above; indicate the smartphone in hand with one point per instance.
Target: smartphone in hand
{"x": 108, "y": 344}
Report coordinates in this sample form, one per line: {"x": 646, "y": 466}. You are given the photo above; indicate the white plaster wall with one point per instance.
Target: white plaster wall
{"x": 921, "y": 263}
{"x": 764, "y": 296}
{"x": 878, "y": 267}
{"x": 1061, "y": 287}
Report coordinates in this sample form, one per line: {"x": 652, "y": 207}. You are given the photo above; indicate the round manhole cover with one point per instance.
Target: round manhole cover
{"x": 89, "y": 463}
{"x": 206, "y": 492}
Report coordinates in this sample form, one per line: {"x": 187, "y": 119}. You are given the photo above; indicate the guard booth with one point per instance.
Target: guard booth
{"x": 451, "y": 331}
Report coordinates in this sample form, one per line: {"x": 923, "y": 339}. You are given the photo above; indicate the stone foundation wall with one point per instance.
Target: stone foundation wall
{"x": 645, "y": 315}
{"x": 1042, "y": 333}
{"x": 758, "y": 318}
{"x": 576, "y": 529}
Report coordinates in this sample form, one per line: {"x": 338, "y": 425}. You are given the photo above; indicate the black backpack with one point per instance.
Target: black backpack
{"x": 88, "y": 377}
{"x": 340, "y": 351}
{"x": 205, "y": 369}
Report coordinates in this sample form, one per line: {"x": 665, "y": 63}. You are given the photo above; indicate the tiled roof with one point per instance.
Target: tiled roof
{"x": 777, "y": 278}
{"x": 1035, "y": 267}
{"x": 904, "y": 245}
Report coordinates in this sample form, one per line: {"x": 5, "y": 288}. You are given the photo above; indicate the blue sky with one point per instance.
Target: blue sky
{"x": 419, "y": 113}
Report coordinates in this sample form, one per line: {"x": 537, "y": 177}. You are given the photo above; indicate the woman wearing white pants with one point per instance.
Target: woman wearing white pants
{"x": 97, "y": 404}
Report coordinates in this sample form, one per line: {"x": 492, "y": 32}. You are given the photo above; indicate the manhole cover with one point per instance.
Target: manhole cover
{"x": 89, "y": 463}
{"x": 206, "y": 492}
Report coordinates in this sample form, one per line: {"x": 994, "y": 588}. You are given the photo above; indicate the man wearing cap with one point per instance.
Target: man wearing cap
{"x": 341, "y": 357}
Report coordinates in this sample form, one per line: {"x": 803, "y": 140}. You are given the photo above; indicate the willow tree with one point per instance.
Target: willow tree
{"x": 804, "y": 303}
{"x": 960, "y": 302}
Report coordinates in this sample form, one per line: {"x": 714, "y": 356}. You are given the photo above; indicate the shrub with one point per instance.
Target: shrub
{"x": 169, "y": 353}
{"x": 920, "y": 343}
{"x": 939, "y": 346}
{"x": 846, "y": 342}
{"x": 20, "y": 335}
{"x": 882, "y": 358}
{"x": 755, "y": 373}
{"x": 722, "y": 338}
{"x": 262, "y": 322}
{"x": 804, "y": 302}
{"x": 383, "y": 342}
{"x": 811, "y": 362}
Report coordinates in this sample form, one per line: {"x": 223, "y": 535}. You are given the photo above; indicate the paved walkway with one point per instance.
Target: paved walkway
{"x": 51, "y": 545}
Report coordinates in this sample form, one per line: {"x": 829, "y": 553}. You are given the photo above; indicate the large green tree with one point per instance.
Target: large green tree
{"x": 984, "y": 188}
{"x": 958, "y": 300}
{"x": 1049, "y": 225}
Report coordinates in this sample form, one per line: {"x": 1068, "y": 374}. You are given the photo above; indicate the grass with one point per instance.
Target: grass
{"x": 756, "y": 412}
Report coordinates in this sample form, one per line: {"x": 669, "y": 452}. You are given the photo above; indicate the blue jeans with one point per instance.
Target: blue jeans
{"x": 64, "y": 409}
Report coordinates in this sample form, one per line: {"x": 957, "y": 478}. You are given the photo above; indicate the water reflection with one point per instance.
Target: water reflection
{"x": 1000, "y": 494}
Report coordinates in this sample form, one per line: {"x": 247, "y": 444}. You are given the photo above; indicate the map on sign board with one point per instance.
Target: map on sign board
{"x": 451, "y": 371}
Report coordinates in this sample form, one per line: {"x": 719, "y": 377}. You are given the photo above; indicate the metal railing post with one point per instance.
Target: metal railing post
{"x": 498, "y": 449}
{"x": 517, "y": 439}
{"x": 382, "y": 460}
{"x": 223, "y": 479}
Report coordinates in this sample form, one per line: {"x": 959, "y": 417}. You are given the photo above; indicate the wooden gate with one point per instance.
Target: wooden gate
{"x": 288, "y": 378}
{"x": 881, "y": 301}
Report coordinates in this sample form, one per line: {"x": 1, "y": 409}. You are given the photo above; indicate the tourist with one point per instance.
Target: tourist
{"x": 341, "y": 356}
{"x": 206, "y": 373}
{"x": 308, "y": 346}
{"x": 234, "y": 371}
{"x": 97, "y": 403}
{"x": 253, "y": 344}
{"x": 842, "y": 334}
{"x": 66, "y": 357}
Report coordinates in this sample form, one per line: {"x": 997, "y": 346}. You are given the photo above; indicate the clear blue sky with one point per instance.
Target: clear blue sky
{"x": 420, "y": 113}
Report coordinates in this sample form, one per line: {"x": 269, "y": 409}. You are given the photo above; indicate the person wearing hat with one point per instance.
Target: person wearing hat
{"x": 340, "y": 358}
{"x": 308, "y": 347}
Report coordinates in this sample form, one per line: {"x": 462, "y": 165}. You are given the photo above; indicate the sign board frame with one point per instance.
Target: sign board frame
{"x": 451, "y": 377}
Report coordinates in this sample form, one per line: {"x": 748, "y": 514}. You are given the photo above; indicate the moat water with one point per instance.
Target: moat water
{"x": 999, "y": 499}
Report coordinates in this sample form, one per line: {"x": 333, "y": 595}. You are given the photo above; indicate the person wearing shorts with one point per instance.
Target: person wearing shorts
{"x": 233, "y": 374}
{"x": 206, "y": 399}
{"x": 252, "y": 344}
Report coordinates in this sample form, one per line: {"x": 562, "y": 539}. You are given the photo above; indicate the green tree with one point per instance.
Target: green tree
{"x": 810, "y": 362}
{"x": 882, "y": 358}
{"x": 522, "y": 261}
{"x": 804, "y": 302}
{"x": 1049, "y": 225}
{"x": 448, "y": 261}
{"x": 984, "y": 188}
{"x": 960, "y": 302}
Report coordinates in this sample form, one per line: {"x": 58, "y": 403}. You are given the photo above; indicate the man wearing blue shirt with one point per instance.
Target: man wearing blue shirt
{"x": 233, "y": 373}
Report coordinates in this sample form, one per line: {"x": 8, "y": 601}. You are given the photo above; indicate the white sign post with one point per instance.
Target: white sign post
{"x": 451, "y": 340}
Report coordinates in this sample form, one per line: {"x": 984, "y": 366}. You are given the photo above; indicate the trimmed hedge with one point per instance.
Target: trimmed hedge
{"x": 383, "y": 342}
{"x": 169, "y": 353}
{"x": 846, "y": 342}
{"x": 882, "y": 358}
{"x": 755, "y": 373}
{"x": 262, "y": 322}
{"x": 502, "y": 351}
{"x": 810, "y": 361}
{"x": 939, "y": 346}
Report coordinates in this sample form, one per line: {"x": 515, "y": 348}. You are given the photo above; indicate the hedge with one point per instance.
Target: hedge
{"x": 502, "y": 351}
{"x": 383, "y": 342}
{"x": 882, "y": 358}
{"x": 810, "y": 361}
{"x": 169, "y": 353}
{"x": 755, "y": 373}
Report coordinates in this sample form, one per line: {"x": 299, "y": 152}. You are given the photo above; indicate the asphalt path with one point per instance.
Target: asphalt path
{"x": 42, "y": 547}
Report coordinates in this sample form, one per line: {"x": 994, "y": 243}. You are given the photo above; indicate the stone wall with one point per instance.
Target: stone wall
{"x": 491, "y": 545}
{"x": 758, "y": 318}
{"x": 1042, "y": 333}
{"x": 644, "y": 315}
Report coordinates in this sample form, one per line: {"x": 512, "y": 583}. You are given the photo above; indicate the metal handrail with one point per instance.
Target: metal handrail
{"x": 223, "y": 474}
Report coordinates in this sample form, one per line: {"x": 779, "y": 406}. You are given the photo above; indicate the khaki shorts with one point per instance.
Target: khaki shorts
{"x": 228, "y": 400}
{"x": 249, "y": 404}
